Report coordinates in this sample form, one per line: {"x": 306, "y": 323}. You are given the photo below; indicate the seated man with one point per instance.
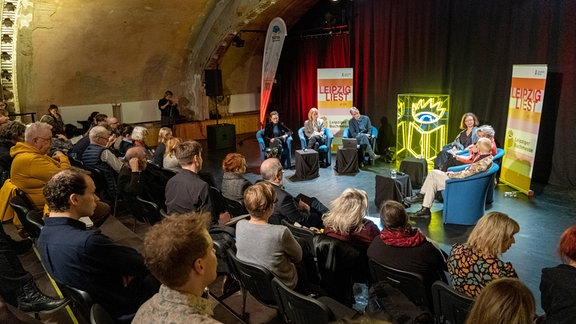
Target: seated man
{"x": 187, "y": 191}
{"x": 436, "y": 179}
{"x": 179, "y": 252}
{"x": 287, "y": 207}
{"x": 98, "y": 156}
{"x": 360, "y": 128}
{"x": 82, "y": 144}
{"x": 31, "y": 167}
{"x": 115, "y": 276}
{"x": 139, "y": 178}
{"x": 16, "y": 284}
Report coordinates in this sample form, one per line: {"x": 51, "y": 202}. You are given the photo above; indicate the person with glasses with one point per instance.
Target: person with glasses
{"x": 98, "y": 156}
{"x": 31, "y": 165}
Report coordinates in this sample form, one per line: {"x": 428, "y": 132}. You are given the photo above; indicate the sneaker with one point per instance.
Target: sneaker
{"x": 424, "y": 212}
{"x": 416, "y": 199}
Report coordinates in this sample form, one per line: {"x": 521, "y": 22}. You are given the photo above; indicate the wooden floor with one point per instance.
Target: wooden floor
{"x": 542, "y": 219}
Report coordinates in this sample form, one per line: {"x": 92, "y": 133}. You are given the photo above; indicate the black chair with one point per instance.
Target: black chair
{"x": 81, "y": 301}
{"x": 255, "y": 279}
{"x": 148, "y": 210}
{"x": 219, "y": 204}
{"x": 449, "y": 305}
{"x": 341, "y": 264}
{"x": 36, "y": 218}
{"x": 22, "y": 205}
{"x": 235, "y": 207}
{"x": 299, "y": 309}
{"x": 303, "y": 235}
{"x": 98, "y": 315}
{"x": 409, "y": 283}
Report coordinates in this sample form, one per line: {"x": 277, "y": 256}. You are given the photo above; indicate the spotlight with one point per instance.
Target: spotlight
{"x": 237, "y": 41}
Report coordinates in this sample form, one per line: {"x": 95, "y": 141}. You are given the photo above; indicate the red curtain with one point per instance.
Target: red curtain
{"x": 299, "y": 62}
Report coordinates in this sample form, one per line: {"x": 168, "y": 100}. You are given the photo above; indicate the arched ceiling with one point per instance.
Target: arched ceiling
{"x": 73, "y": 52}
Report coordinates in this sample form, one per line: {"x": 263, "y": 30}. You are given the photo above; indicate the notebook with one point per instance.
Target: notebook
{"x": 349, "y": 143}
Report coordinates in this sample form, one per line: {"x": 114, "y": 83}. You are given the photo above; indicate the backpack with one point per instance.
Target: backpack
{"x": 388, "y": 303}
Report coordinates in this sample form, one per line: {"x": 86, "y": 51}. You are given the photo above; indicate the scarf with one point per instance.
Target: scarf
{"x": 410, "y": 238}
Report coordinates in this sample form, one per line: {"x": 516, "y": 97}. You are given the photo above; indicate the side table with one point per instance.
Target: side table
{"x": 306, "y": 165}
{"x": 346, "y": 161}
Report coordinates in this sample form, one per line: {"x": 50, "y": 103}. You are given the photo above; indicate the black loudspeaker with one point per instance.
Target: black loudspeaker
{"x": 213, "y": 80}
{"x": 221, "y": 136}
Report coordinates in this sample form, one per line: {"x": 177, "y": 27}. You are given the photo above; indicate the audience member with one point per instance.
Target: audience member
{"x": 403, "y": 247}
{"x": 16, "y": 284}
{"x": 82, "y": 144}
{"x": 233, "y": 181}
{"x": 558, "y": 284}
{"x": 31, "y": 167}
{"x": 115, "y": 276}
{"x": 436, "y": 179}
{"x": 290, "y": 208}
{"x": 163, "y": 135}
{"x": 113, "y": 123}
{"x": 474, "y": 264}
{"x": 268, "y": 245}
{"x": 4, "y": 118}
{"x": 170, "y": 161}
{"x": 276, "y": 136}
{"x": 484, "y": 131}
{"x": 360, "y": 128}
{"x": 187, "y": 191}
{"x": 137, "y": 177}
{"x": 467, "y": 137}
{"x": 345, "y": 220}
{"x": 139, "y": 137}
{"x": 98, "y": 156}
{"x": 314, "y": 130}
{"x": 503, "y": 301}
{"x": 10, "y": 133}
{"x": 180, "y": 253}
{"x": 54, "y": 119}
{"x": 124, "y": 141}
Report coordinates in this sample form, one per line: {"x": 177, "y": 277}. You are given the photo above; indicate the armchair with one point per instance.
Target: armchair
{"x": 324, "y": 149}
{"x": 373, "y": 138}
{"x": 262, "y": 144}
{"x": 465, "y": 198}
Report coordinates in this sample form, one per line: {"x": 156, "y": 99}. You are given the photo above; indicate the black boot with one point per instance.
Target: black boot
{"x": 30, "y": 299}
{"x": 424, "y": 212}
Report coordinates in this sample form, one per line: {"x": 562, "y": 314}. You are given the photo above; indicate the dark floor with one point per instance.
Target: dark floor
{"x": 542, "y": 219}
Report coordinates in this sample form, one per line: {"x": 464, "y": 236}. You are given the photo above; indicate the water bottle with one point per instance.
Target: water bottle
{"x": 393, "y": 173}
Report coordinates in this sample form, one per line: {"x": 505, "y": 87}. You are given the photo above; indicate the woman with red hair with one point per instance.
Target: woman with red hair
{"x": 558, "y": 284}
{"x": 233, "y": 181}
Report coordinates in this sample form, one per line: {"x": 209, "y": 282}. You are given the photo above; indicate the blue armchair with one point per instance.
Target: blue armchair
{"x": 374, "y": 133}
{"x": 324, "y": 149}
{"x": 496, "y": 159}
{"x": 262, "y": 144}
{"x": 465, "y": 198}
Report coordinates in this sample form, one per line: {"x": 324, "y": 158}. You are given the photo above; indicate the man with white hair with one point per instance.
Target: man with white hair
{"x": 98, "y": 156}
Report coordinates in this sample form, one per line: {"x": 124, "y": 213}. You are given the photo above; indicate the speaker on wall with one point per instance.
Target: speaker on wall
{"x": 213, "y": 80}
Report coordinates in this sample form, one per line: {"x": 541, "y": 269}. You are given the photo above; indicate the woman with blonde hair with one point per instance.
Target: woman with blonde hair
{"x": 503, "y": 301}
{"x": 233, "y": 182}
{"x": 314, "y": 130}
{"x": 169, "y": 161}
{"x": 345, "y": 220}
{"x": 163, "y": 135}
{"x": 474, "y": 264}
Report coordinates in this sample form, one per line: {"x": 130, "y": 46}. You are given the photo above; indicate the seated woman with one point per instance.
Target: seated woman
{"x": 233, "y": 183}
{"x": 474, "y": 264}
{"x": 465, "y": 138}
{"x": 504, "y": 301}
{"x": 314, "y": 130}
{"x": 484, "y": 131}
{"x": 54, "y": 119}
{"x": 170, "y": 161}
{"x": 124, "y": 141}
{"x": 405, "y": 248}
{"x": 345, "y": 220}
{"x": 558, "y": 284}
{"x": 276, "y": 136}
{"x": 271, "y": 246}
{"x": 163, "y": 135}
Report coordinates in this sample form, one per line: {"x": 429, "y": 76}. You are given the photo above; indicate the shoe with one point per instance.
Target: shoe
{"x": 424, "y": 212}
{"x": 316, "y": 146}
{"x": 30, "y": 299}
{"x": 416, "y": 199}
{"x": 21, "y": 247}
